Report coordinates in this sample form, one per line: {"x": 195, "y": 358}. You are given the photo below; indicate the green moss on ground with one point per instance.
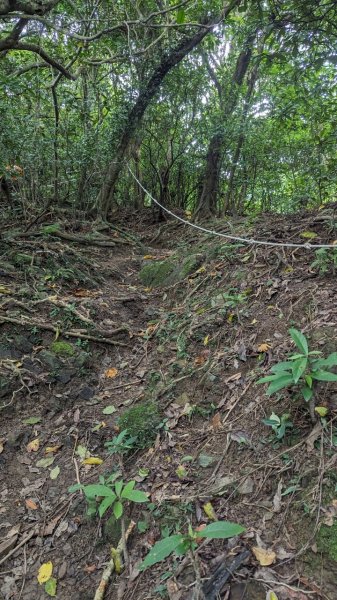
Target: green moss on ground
{"x": 142, "y": 422}
{"x": 62, "y": 348}
{"x": 327, "y": 540}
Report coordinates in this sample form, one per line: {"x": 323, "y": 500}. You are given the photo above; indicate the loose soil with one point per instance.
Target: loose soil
{"x": 194, "y": 347}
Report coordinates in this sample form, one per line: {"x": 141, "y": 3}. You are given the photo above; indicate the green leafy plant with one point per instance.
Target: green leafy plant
{"x": 103, "y": 497}
{"x": 302, "y": 369}
{"x": 181, "y": 543}
{"x": 325, "y": 261}
{"x": 122, "y": 443}
{"x": 278, "y": 424}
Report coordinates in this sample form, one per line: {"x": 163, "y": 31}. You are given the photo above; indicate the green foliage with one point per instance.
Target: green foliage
{"x": 122, "y": 443}
{"x": 279, "y": 424}
{"x": 182, "y": 543}
{"x": 325, "y": 261}
{"x": 62, "y": 348}
{"x": 50, "y": 229}
{"x": 302, "y": 370}
{"x": 141, "y": 422}
{"x": 104, "y": 497}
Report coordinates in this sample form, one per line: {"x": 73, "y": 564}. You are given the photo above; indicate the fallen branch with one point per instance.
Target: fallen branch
{"x": 111, "y": 566}
{"x": 58, "y": 331}
{"x": 212, "y": 588}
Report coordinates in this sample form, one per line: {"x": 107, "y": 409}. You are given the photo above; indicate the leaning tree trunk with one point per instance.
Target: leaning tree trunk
{"x": 106, "y": 194}
{"x": 207, "y": 203}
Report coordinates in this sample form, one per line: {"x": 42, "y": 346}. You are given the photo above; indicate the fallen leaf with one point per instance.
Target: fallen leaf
{"x": 206, "y": 340}
{"x": 109, "y": 410}
{"x": 205, "y": 460}
{"x": 50, "y": 587}
{"x": 111, "y": 373}
{"x": 308, "y": 235}
{"x": 148, "y": 257}
{"x": 313, "y": 437}
{"x": 2, "y": 446}
{"x": 322, "y": 411}
{"x": 209, "y": 511}
{"x": 51, "y": 449}
{"x": 54, "y": 473}
{"x": 264, "y": 347}
{"x": 90, "y": 568}
{"x": 31, "y": 504}
{"x": 181, "y": 472}
{"x": 32, "y": 421}
{"x": 93, "y": 460}
{"x": 33, "y": 446}
{"x": 45, "y": 572}
{"x": 4, "y": 290}
{"x": 271, "y": 595}
{"x": 216, "y": 421}
{"x": 45, "y": 462}
{"x": 264, "y": 557}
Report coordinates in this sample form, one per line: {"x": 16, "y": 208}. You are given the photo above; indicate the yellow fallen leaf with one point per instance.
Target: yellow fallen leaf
{"x": 209, "y": 511}
{"x": 201, "y": 270}
{"x": 263, "y": 347}
{"x": 92, "y": 460}
{"x": 148, "y": 257}
{"x": 31, "y": 504}
{"x": 45, "y": 572}
{"x": 111, "y": 373}
{"x": 51, "y": 449}
{"x": 322, "y": 411}
{"x": 308, "y": 235}
{"x": 271, "y": 595}
{"x": 4, "y": 290}
{"x": 206, "y": 340}
{"x": 147, "y": 289}
{"x": 253, "y": 322}
{"x": 264, "y": 557}
{"x": 33, "y": 446}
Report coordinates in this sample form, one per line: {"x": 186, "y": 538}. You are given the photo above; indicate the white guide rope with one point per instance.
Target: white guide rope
{"x": 306, "y": 245}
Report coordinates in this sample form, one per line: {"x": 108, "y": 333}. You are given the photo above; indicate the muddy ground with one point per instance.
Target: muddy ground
{"x": 93, "y": 325}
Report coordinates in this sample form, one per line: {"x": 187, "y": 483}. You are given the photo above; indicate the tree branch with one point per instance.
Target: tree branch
{"x": 7, "y": 44}
{"x": 30, "y": 8}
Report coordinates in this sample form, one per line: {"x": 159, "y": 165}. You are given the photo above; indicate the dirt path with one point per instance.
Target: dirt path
{"x": 197, "y": 354}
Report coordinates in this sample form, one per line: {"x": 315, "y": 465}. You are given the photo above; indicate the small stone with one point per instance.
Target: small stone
{"x": 62, "y": 570}
{"x": 86, "y": 393}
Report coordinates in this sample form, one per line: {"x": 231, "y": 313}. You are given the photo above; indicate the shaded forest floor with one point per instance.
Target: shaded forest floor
{"x": 84, "y": 338}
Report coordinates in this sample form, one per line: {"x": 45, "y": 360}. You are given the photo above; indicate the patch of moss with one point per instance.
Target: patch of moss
{"x": 155, "y": 274}
{"x": 327, "y": 540}
{"x": 141, "y": 421}
{"x": 62, "y": 348}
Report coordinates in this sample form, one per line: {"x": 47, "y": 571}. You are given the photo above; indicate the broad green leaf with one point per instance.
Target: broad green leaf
{"x": 119, "y": 487}
{"x": 298, "y": 369}
{"x": 328, "y": 362}
{"x": 161, "y": 550}
{"x": 118, "y": 509}
{"x": 128, "y": 488}
{"x": 273, "y": 377}
{"x": 308, "y": 380}
{"x": 75, "y": 487}
{"x": 105, "y": 504}
{"x": 50, "y": 587}
{"x": 279, "y": 384}
{"x": 221, "y": 530}
{"x": 286, "y": 365}
{"x": 97, "y": 489}
{"x": 324, "y": 376}
{"x": 307, "y": 393}
{"x": 300, "y": 340}
{"x": 136, "y": 496}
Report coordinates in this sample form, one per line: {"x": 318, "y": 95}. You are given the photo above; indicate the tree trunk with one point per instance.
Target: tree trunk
{"x": 106, "y": 195}
{"x": 208, "y": 198}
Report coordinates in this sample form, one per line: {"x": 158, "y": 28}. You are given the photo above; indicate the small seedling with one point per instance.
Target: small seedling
{"x": 122, "y": 443}
{"x": 278, "y": 424}
{"x": 303, "y": 369}
{"x": 113, "y": 496}
{"x": 182, "y": 543}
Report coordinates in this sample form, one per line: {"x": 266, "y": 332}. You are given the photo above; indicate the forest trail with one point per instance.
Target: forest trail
{"x": 188, "y": 352}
